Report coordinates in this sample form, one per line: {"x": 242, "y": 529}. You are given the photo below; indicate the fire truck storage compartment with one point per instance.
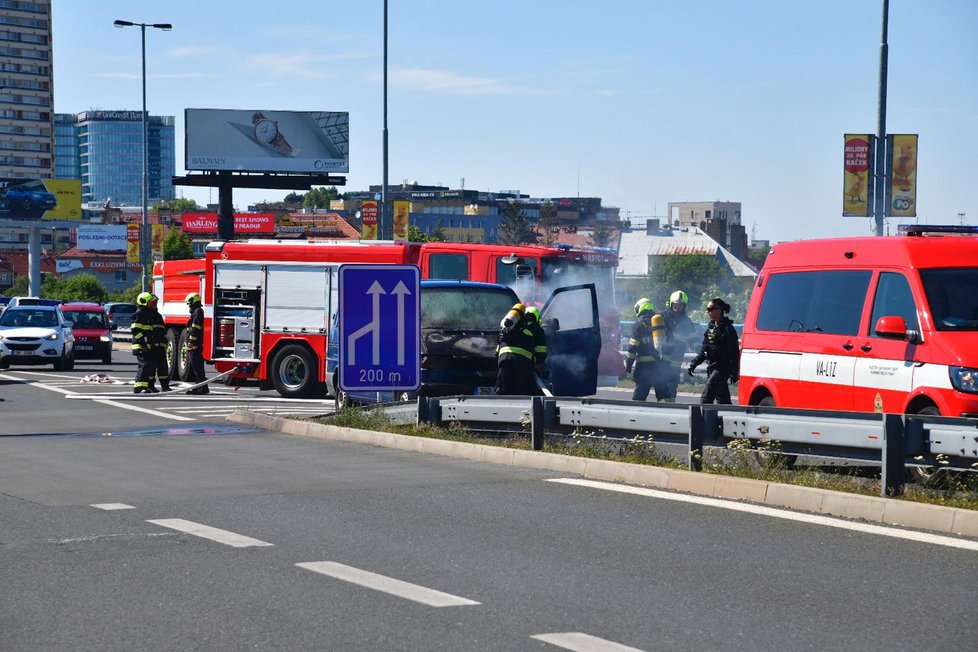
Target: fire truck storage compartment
{"x": 236, "y": 324}
{"x": 296, "y": 298}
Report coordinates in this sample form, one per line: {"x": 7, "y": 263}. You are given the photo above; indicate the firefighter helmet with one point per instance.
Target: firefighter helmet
{"x": 678, "y": 297}
{"x": 533, "y": 312}
{"x": 192, "y": 298}
{"x": 144, "y": 299}
{"x": 643, "y": 305}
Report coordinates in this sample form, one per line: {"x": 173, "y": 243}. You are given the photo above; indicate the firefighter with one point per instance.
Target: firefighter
{"x": 644, "y": 354}
{"x": 514, "y": 355}
{"x": 680, "y": 334}
{"x": 539, "y": 342}
{"x": 149, "y": 345}
{"x": 721, "y": 350}
{"x": 195, "y": 349}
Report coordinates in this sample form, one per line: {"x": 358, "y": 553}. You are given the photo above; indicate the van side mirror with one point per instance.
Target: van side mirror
{"x": 113, "y": 326}
{"x": 895, "y": 328}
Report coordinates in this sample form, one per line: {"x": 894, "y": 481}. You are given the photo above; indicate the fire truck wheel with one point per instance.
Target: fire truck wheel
{"x": 182, "y": 365}
{"x": 172, "y": 346}
{"x": 294, "y": 371}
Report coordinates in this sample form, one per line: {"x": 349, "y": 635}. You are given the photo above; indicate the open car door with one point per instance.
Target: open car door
{"x": 570, "y": 321}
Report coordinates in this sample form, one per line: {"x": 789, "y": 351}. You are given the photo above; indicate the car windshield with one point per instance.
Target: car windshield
{"x": 952, "y": 297}
{"x": 465, "y": 308}
{"x": 86, "y": 318}
{"x": 35, "y": 318}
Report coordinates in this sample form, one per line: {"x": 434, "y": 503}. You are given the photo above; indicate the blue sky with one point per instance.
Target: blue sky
{"x": 639, "y": 102}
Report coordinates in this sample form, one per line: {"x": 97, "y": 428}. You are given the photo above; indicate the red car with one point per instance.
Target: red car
{"x": 93, "y": 334}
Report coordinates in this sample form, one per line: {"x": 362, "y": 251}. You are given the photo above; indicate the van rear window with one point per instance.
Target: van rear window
{"x": 828, "y": 302}
{"x": 952, "y": 297}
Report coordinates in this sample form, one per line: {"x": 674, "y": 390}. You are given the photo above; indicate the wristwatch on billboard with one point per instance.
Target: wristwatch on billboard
{"x": 267, "y": 133}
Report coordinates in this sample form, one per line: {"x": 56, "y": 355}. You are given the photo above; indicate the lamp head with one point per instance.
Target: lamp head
{"x": 123, "y": 23}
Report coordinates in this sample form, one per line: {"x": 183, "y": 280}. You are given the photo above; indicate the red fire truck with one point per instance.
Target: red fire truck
{"x": 267, "y": 302}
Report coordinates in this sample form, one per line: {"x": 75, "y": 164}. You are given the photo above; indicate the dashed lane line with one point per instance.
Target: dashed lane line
{"x": 385, "y": 584}
{"x": 111, "y": 506}
{"x": 580, "y": 642}
{"x": 896, "y": 533}
{"x": 206, "y": 532}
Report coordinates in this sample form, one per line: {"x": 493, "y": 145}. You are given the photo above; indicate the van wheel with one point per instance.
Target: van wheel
{"x": 927, "y": 475}
{"x": 182, "y": 363}
{"x": 294, "y": 371}
{"x": 783, "y": 460}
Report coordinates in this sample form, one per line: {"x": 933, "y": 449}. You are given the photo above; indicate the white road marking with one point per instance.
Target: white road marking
{"x": 206, "y": 532}
{"x": 156, "y": 413}
{"x": 111, "y": 506}
{"x": 583, "y": 642}
{"x": 390, "y": 585}
{"x": 814, "y": 519}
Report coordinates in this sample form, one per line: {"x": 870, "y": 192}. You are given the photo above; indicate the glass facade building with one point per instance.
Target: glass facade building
{"x": 104, "y": 150}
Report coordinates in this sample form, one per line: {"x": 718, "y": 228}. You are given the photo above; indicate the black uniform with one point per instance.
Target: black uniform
{"x": 195, "y": 349}
{"x": 644, "y": 360}
{"x": 514, "y": 358}
{"x": 721, "y": 350}
{"x": 680, "y": 332}
{"x": 149, "y": 345}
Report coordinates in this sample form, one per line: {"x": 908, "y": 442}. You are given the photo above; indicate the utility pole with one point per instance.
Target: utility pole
{"x": 879, "y": 202}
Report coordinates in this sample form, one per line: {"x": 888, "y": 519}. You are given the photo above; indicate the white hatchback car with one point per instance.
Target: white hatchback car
{"x": 36, "y": 335}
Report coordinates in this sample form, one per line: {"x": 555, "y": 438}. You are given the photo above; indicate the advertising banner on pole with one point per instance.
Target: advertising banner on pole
{"x": 157, "y": 241}
{"x": 402, "y": 210}
{"x": 102, "y": 237}
{"x": 368, "y": 218}
{"x": 901, "y": 175}
{"x": 857, "y": 184}
{"x": 267, "y": 141}
{"x": 40, "y": 199}
{"x": 132, "y": 237}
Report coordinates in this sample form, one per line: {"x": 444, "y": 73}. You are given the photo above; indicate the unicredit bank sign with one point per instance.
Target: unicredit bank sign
{"x": 243, "y": 223}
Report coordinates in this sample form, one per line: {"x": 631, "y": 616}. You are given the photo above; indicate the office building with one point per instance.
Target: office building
{"x": 26, "y": 90}
{"x": 104, "y": 149}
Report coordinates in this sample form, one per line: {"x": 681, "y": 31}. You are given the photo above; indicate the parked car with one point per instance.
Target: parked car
{"x": 36, "y": 335}
{"x": 93, "y": 333}
{"x": 120, "y": 314}
{"x": 28, "y": 199}
{"x": 32, "y": 301}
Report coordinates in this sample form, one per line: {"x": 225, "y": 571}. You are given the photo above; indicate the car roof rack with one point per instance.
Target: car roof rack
{"x": 923, "y": 229}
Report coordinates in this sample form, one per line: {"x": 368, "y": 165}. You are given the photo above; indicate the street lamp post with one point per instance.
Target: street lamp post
{"x": 144, "y": 232}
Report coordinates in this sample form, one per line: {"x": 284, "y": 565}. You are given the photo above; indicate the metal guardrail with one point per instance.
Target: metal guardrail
{"x": 893, "y": 440}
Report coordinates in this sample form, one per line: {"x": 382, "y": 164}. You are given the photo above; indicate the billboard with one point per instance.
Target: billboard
{"x": 40, "y": 199}
{"x": 401, "y": 215}
{"x": 132, "y": 242}
{"x": 243, "y": 223}
{"x": 901, "y": 175}
{"x": 267, "y": 141}
{"x": 368, "y": 218}
{"x": 857, "y": 183}
{"x": 103, "y": 237}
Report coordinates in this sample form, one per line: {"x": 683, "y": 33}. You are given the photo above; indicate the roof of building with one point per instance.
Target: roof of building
{"x": 637, "y": 246}
{"x": 582, "y": 237}
{"x": 19, "y": 264}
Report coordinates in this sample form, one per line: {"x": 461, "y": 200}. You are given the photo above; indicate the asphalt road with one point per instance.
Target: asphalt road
{"x": 189, "y": 538}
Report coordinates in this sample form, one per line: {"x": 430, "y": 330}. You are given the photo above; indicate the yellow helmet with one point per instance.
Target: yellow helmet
{"x": 144, "y": 298}
{"x": 643, "y": 305}
{"x": 678, "y": 297}
{"x": 193, "y": 297}
{"x": 533, "y": 312}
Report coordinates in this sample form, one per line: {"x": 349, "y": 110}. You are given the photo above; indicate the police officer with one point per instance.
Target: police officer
{"x": 514, "y": 355}
{"x": 149, "y": 345}
{"x": 721, "y": 350}
{"x": 680, "y": 333}
{"x": 195, "y": 349}
{"x": 643, "y": 356}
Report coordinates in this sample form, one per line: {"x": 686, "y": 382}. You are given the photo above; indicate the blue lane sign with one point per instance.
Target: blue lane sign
{"x": 380, "y": 327}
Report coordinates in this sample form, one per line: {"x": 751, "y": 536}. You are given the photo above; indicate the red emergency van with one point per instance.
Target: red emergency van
{"x": 875, "y": 324}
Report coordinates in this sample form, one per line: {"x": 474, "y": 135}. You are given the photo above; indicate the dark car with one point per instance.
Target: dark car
{"x": 27, "y": 199}
{"x": 120, "y": 313}
{"x": 93, "y": 333}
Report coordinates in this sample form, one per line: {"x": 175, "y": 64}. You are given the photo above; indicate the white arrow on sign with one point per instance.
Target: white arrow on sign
{"x": 400, "y": 290}
{"x": 373, "y": 327}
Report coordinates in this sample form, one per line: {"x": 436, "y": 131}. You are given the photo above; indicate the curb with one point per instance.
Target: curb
{"x": 886, "y": 511}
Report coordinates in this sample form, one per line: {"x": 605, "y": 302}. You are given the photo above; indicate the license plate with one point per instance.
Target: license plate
{"x": 83, "y": 348}
{"x": 485, "y": 391}
{"x": 22, "y": 352}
